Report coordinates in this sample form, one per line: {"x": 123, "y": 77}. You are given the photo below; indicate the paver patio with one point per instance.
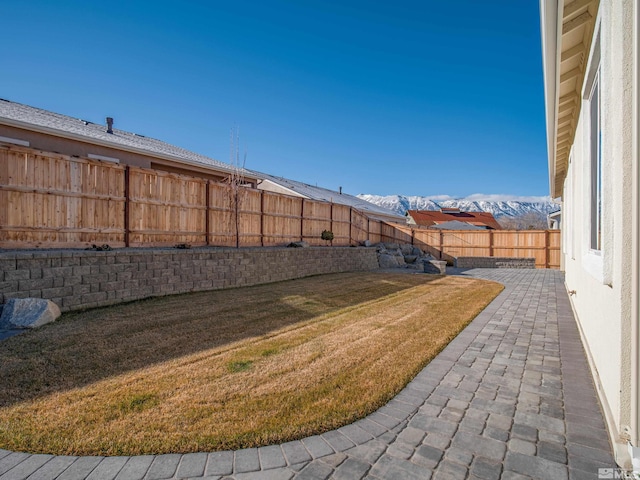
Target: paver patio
{"x": 510, "y": 398}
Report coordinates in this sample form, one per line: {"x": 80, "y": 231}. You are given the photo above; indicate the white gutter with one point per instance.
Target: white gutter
{"x": 96, "y": 141}
{"x": 550, "y": 29}
{"x": 635, "y": 248}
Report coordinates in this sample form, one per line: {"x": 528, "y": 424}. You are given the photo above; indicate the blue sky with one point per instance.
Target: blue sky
{"x": 406, "y": 97}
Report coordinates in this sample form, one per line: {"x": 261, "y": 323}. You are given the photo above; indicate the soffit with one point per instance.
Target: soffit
{"x": 578, "y": 20}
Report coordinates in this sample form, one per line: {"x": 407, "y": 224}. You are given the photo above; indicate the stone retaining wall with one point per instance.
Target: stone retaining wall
{"x": 84, "y": 279}
{"x": 495, "y": 262}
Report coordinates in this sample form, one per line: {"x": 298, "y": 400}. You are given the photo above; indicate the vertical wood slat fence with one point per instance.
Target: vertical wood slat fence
{"x": 52, "y": 200}
{"x": 542, "y": 245}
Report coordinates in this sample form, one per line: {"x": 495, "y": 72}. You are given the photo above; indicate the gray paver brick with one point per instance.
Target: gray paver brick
{"x": 430, "y": 453}
{"x": 521, "y": 446}
{"x": 52, "y": 468}
{"x": 554, "y": 452}
{"x": 219, "y": 463}
{"x": 246, "y": 460}
{"x": 271, "y": 457}
{"x": 108, "y": 468}
{"x": 389, "y": 467}
{"x": 356, "y": 434}
{"x": 25, "y": 468}
{"x": 351, "y": 469}
{"x": 486, "y": 469}
{"x": 192, "y": 465}
{"x": 163, "y": 466}
{"x": 337, "y": 441}
{"x": 535, "y": 467}
{"x": 372, "y": 427}
{"x": 450, "y": 471}
{"x": 369, "y": 452}
{"x": 295, "y": 452}
{"x": 135, "y": 468}
{"x": 315, "y": 471}
{"x": 80, "y": 469}
{"x": 525, "y": 432}
{"x": 540, "y": 422}
{"x": 335, "y": 459}
{"x": 484, "y": 446}
{"x": 317, "y": 447}
{"x": 400, "y": 450}
{"x": 11, "y": 460}
{"x": 411, "y": 436}
{"x": 275, "y": 474}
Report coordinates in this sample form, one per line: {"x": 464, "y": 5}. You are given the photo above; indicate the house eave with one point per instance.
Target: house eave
{"x": 171, "y": 159}
{"x": 566, "y": 40}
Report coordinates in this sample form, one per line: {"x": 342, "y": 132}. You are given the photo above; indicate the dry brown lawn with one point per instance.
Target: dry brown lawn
{"x": 227, "y": 369}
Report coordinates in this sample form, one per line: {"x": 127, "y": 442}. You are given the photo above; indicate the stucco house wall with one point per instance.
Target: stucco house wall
{"x": 600, "y": 282}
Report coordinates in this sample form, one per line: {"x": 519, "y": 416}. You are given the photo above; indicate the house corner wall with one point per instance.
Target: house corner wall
{"x": 602, "y": 281}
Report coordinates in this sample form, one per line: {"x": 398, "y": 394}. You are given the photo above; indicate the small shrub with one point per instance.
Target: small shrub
{"x": 327, "y": 235}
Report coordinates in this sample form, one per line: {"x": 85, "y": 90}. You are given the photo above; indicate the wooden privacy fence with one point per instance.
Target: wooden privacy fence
{"x": 542, "y": 245}
{"x": 52, "y": 200}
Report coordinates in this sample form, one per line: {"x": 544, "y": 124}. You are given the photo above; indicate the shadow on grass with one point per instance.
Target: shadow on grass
{"x": 84, "y": 347}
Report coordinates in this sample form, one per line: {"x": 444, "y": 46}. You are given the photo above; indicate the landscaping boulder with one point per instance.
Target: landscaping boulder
{"x": 28, "y": 313}
{"x": 386, "y": 260}
{"x": 439, "y": 267}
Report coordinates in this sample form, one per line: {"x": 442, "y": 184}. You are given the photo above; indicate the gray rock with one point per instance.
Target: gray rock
{"x": 298, "y": 245}
{"x": 28, "y": 313}
{"x": 366, "y": 243}
{"x": 388, "y": 261}
{"x": 410, "y": 258}
{"x": 416, "y": 251}
{"x": 391, "y": 246}
{"x": 439, "y": 267}
{"x": 406, "y": 249}
{"x": 399, "y": 257}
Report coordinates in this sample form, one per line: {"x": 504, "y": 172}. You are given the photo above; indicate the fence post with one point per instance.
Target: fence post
{"x": 491, "y": 243}
{"x": 441, "y": 235}
{"x": 262, "y": 218}
{"x": 207, "y": 226}
{"x": 547, "y": 251}
{"x": 127, "y": 200}
{"x": 331, "y": 216}
{"x": 302, "y": 220}
{"x": 350, "y": 224}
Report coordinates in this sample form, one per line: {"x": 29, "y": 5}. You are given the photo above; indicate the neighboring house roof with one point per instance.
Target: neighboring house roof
{"x": 43, "y": 121}
{"x": 311, "y": 192}
{"x": 456, "y": 225}
{"x": 428, "y": 218}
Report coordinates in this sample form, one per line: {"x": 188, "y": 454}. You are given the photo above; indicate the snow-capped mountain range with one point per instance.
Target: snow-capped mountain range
{"x": 497, "y": 205}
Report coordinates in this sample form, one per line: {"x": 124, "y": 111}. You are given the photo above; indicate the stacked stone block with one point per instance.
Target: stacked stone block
{"x": 495, "y": 262}
{"x": 78, "y": 279}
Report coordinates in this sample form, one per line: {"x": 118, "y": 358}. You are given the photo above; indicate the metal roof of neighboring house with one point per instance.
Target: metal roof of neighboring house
{"x": 324, "y": 194}
{"x": 43, "y": 121}
{"x": 456, "y": 225}
{"x": 428, "y": 218}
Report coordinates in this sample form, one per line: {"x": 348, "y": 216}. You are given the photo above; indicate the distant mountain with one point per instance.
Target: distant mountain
{"x": 496, "y": 205}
